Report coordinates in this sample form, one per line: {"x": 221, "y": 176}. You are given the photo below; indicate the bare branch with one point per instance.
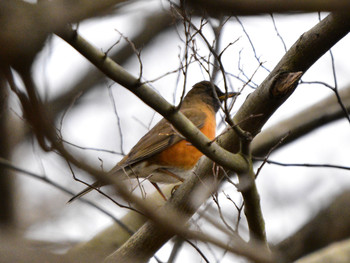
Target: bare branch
{"x": 153, "y": 25}
{"x": 315, "y": 234}
{"x": 121, "y": 141}
{"x": 312, "y": 165}
{"x": 278, "y": 33}
{"x": 337, "y": 252}
{"x": 252, "y": 45}
{"x": 300, "y": 124}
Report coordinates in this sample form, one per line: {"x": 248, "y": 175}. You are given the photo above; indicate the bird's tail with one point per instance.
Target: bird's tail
{"x": 117, "y": 171}
{"x": 84, "y": 191}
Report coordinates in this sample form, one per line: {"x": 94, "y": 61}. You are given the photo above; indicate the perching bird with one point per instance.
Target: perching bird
{"x": 163, "y": 155}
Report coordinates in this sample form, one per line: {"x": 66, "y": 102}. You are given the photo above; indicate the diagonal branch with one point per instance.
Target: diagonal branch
{"x": 114, "y": 71}
{"x": 154, "y": 24}
{"x": 300, "y": 124}
{"x": 265, "y": 100}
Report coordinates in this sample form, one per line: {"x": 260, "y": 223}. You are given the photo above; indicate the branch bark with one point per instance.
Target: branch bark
{"x": 108, "y": 240}
{"x": 338, "y": 252}
{"x": 302, "y": 123}
{"x": 329, "y": 225}
{"x": 153, "y": 25}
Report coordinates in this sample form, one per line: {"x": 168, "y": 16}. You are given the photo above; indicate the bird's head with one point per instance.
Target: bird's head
{"x": 208, "y": 93}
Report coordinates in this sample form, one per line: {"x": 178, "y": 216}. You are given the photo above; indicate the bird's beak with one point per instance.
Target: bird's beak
{"x": 228, "y": 95}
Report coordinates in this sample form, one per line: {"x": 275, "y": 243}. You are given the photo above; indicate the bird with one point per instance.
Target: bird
{"x": 163, "y": 155}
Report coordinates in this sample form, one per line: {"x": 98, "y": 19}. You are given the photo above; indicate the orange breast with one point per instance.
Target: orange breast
{"x": 183, "y": 154}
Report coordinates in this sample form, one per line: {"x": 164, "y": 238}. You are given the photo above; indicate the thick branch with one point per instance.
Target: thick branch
{"x": 300, "y": 124}
{"x": 329, "y": 225}
{"x": 262, "y": 103}
{"x": 252, "y": 208}
{"x": 152, "y": 26}
{"x": 338, "y": 252}
{"x": 107, "y": 241}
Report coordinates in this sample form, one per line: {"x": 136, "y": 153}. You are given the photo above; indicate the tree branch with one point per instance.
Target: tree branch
{"x": 153, "y": 25}
{"x": 329, "y": 225}
{"x": 252, "y": 208}
{"x": 264, "y": 101}
{"x": 300, "y": 124}
{"x": 338, "y": 252}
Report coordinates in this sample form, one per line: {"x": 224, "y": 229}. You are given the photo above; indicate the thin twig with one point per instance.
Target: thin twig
{"x": 198, "y": 250}
{"x": 121, "y": 140}
{"x": 336, "y": 91}
{"x": 99, "y": 191}
{"x": 304, "y": 164}
{"x": 278, "y": 33}
{"x": 251, "y": 44}
{"x": 216, "y": 201}
{"x": 269, "y": 153}
{"x": 91, "y": 148}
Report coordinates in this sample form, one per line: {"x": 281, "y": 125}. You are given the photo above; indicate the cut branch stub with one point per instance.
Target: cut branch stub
{"x": 284, "y": 84}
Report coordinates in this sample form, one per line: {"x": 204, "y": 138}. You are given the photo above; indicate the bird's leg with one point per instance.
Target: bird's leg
{"x": 174, "y": 189}
{"x": 172, "y": 175}
{"x": 159, "y": 190}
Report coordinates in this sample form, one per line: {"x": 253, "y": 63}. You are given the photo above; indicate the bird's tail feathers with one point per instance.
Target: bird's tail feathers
{"x": 84, "y": 192}
{"x": 118, "y": 171}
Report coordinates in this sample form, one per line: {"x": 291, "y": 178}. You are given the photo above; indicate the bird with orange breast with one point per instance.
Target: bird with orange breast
{"x": 163, "y": 155}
